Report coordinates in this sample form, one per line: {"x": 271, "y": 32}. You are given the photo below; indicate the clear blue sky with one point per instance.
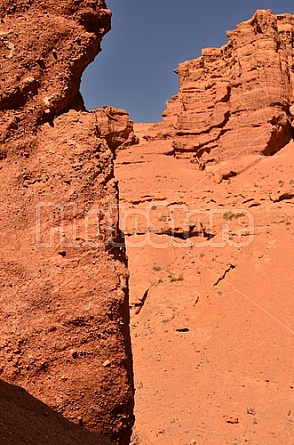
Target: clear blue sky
{"x": 149, "y": 38}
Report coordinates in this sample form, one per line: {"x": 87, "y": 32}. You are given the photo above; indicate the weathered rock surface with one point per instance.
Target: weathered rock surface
{"x": 64, "y": 319}
{"x": 45, "y": 47}
{"x": 116, "y": 127}
{"x": 211, "y": 278}
{"x": 235, "y": 100}
{"x": 211, "y": 248}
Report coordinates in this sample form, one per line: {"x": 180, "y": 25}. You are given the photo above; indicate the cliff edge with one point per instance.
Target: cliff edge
{"x": 64, "y": 317}
{"x": 234, "y": 100}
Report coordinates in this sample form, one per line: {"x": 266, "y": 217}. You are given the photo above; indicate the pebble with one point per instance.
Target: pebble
{"x": 74, "y": 353}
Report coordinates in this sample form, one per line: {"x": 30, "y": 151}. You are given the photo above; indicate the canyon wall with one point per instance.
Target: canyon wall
{"x": 64, "y": 317}
{"x": 235, "y": 100}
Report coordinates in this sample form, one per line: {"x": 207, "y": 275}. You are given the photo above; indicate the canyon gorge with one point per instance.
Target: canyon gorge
{"x": 146, "y": 269}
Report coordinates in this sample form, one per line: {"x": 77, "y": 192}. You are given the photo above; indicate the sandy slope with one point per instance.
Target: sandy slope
{"x": 212, "y": 310}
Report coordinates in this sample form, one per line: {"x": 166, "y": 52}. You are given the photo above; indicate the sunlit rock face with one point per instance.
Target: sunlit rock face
{"x": 45, "y": 47}
{"x": 236, "y": 99}
{"x": 64, "y": 319}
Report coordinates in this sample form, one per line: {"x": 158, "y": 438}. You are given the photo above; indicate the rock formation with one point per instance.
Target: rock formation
{"x": 211, "y": 313}
{"x": 235, "y": 100}
{"x": 64, "y": 318}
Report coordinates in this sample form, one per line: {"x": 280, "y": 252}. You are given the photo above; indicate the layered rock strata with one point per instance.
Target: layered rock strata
{"x": 235, "y": 100}
{"x": 64, "y": 317}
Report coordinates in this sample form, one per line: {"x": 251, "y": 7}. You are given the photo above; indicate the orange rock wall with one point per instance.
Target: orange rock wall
{"x": 64, "y": 311}
{"x": 235, "y": 99}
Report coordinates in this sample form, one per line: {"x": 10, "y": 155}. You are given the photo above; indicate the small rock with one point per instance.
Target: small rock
{"x": 74, "y": 353}
{"x": 106, "y": 364}
{"x": 217, "y": 178}
{"x": 232, "y": 420}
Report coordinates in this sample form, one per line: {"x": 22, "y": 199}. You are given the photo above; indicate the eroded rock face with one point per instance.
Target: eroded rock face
{"x": 64, "y": 318}
{"x": 235, "y": 100}
{"x": 45, "y": 47}
{"x": 116, "y": 127}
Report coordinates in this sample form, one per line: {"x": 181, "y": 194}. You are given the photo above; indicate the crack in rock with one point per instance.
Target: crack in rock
{"x": 222, "y": 277}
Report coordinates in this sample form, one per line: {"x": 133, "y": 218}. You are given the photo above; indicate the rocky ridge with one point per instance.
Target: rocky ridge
{"x": 234, "y": 100}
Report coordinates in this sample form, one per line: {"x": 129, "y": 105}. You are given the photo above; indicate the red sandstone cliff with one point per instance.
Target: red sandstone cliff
{"x": 235, "y": 100}
{"x": 64, "y": 319}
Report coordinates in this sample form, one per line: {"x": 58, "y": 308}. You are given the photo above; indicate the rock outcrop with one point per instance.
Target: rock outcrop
{"x": 235, "y": 100}
{"x": 64, "y": 319}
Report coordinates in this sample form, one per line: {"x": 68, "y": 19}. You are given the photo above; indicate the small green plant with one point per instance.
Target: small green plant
{"x": 179, "y": 278}
{"x": 164, "y": 218}
{"x": 228, "y": 216}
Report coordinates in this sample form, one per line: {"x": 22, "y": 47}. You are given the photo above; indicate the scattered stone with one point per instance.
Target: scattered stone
{"x": 251, "y": 411}
{"x": 232, "y": 420}
{"x": 74, "y": 353}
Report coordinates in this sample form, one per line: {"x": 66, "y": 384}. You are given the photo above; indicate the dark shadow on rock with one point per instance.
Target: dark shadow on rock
{"x": 26, "y": 420}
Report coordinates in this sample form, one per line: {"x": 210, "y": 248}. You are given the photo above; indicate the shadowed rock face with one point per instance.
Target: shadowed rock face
{"x": 64, "y": 320}
{"x": 25, "y": 419}
{"x": 235, "y": 99}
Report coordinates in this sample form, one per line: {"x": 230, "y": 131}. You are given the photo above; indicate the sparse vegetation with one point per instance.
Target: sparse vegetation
{"x": 164, "y": 218}
{"x": 179, "y": 278}
{"x": 228, "y": 216}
